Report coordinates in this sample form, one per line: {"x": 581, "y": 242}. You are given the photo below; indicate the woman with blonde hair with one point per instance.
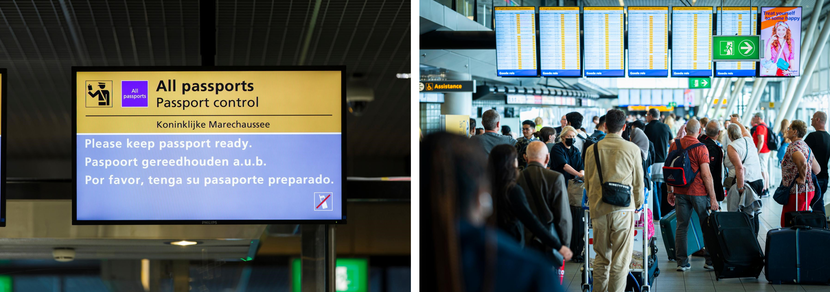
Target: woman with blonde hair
{"x": 565, "y": 158}
{"x": 784, "y": 140}
{"x": 538, "y": 122}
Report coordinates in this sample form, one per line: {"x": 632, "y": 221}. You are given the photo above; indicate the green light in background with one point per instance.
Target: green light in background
{"x": 5, "y": 283}
{"x": 248, "y": 259}
{"x": 351, "y": 275}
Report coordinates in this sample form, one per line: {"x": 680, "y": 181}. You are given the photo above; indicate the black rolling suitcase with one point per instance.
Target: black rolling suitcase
{"x": 731, "y": 242}
{"x": 797, "y": 255}
{"x": 577, "y": 243}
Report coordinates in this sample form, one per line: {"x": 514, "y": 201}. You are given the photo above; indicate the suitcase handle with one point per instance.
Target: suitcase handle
{"x": 804, "y": 227}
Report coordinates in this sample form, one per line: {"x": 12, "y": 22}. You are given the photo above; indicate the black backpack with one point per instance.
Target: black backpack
{"x": 772, "y": 140}
{"x": 678, "y": 168}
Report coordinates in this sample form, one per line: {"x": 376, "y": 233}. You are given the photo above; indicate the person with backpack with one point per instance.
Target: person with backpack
{"x": 762, "y": 136}
{"x": 690, "y": 187}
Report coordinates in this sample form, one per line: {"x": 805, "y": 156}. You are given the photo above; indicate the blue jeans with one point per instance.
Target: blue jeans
{"x": 684, "y": 206}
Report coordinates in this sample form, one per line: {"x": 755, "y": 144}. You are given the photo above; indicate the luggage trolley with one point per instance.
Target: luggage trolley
{"x": 587, "y": 283}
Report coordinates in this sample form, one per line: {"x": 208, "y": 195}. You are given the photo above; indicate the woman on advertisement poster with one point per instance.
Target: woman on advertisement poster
{"x": 781, "y": 38}
{"x": 779, "y": 49}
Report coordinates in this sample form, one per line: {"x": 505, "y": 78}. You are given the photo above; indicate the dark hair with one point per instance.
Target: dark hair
{"x": 574, "y": 119}
{"x": 639, "y": 124}
{"x": 614, "y": 120}
{"x": 489, "y": 119}
{"x": 472, "y": 123}
{"x": 529, "y": 123}
{"x": 601, "y": 120}
{"x": 452, "y": 173}
{"x": 800, "y": 128}
{"x": 545, "y": 132}
{"x": 502, "y": 174}
{"x": 654, "y": 113}
{"x": 595, "y": 118}
{"x": 626, "y": 134}
{"x": 505, "y": 130}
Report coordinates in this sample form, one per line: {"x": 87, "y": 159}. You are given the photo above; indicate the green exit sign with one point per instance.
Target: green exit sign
{"x": 672, "y": 104}
{"x": 701, "y": 82}
{"x": 736, "y": 48}
{"x": 351, "y": 275}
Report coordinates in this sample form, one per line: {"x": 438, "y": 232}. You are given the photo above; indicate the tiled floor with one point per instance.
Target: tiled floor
{"x": 699, "y": 279}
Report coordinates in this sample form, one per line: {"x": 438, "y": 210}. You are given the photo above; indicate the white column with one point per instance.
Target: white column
{"x": 457, "y": 103}
{"x": 808, "y": 72}
{"x": 754, "y": 100}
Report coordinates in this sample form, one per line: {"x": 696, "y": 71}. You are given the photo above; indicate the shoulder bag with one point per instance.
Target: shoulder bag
{"x": 613, "y": 193}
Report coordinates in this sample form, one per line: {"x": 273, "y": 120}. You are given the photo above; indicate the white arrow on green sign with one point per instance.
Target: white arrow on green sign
{"x": 736, "y": 48}
{"x": 699, "y": 82}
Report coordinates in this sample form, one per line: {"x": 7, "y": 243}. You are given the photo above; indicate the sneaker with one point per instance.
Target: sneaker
{"x": 684, "y": 268}
{"x": 708, "y": 266}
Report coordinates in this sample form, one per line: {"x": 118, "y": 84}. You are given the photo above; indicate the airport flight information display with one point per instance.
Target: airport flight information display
{"x": 603, "y": 28}
{"x": 691, "y": 41}
{"x": 648, "y": 41}
{"x": 559, "y": 38}
{"x": 516, "y": 41}
{"x": 202, "y": 146}
{"x": 781, "y": 39}
{"x": 736, "y": 21}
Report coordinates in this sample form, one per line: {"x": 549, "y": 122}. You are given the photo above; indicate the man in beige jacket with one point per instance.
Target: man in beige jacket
{"x": 622, "y": 163}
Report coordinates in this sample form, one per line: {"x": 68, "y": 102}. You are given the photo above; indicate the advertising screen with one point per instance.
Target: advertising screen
{"x": 604, "y": 38}
{"x": 691, "y": 41}
{"x": 516, "y": 41}
{"x": 559, "y": 38}
{"x": 190, "y": 145}
{"x": 648, "y": 41}
{"x": 736, "y": 21}
{"x": 781, "y": 38}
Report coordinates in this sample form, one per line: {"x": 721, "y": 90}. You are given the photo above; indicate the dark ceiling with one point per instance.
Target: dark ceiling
{"x": 40, "y": 40}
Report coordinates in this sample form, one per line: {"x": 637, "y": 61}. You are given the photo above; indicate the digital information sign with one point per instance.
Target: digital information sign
{"x": 781, "y": 41}
{"x": 603, "y": 28}
{"x": 691, "y": 41}
{"x": 516, "y": 41}
{"x": 648, "y": 41}
{"x": 559, "y": 38}
{"x": 736, "y": 21}
{"x": 201, "y": 146}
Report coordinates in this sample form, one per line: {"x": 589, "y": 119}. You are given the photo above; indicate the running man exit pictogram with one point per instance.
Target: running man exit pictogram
{"x": 323, "y": 202}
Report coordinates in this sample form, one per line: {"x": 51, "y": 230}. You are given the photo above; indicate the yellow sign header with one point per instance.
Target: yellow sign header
{"x": 515, "y": 8}
{"x": 737, "y": 8}
{"x": 208, "y": 101}
{"x": 603, "y": 8}
{"x": 649, "y": 8}
{"x": 709, "y": 9}
{"x": 558, "y": 8}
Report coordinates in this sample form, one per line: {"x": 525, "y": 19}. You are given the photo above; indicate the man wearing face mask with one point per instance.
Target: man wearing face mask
{"x": 548, "y": 188}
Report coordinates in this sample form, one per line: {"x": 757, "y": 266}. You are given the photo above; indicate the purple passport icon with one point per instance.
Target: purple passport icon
{"x": 134, "y": 94}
